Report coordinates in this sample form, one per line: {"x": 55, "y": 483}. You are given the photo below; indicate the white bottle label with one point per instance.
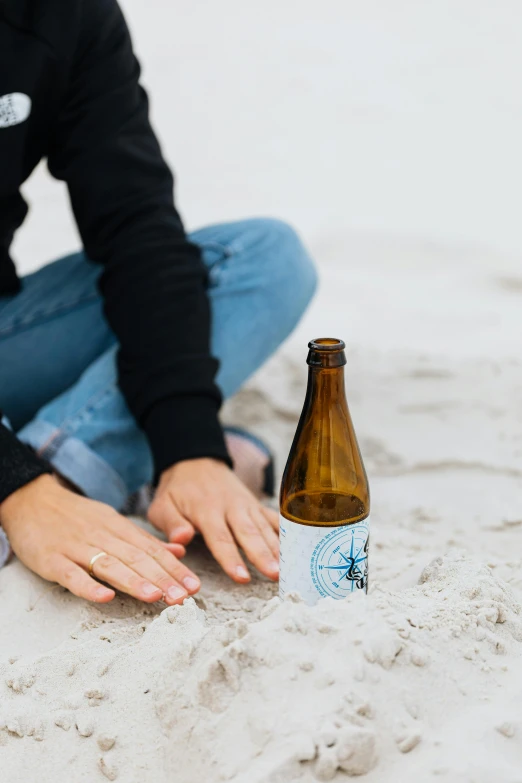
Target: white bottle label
{"x": 318, "y": 562}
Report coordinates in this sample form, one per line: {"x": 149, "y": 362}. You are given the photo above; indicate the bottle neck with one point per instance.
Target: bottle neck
{"x": 326, "y": 387}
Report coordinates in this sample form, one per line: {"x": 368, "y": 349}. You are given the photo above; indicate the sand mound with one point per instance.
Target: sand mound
{"x": 282, "y": 692}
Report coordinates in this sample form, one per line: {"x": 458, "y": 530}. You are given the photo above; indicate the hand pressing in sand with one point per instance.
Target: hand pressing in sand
{"x": 56, "y": 533}
{"x": 205, "y": 495}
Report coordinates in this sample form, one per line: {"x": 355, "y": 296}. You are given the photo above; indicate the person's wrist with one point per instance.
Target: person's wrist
{"x": 11, "y": 505}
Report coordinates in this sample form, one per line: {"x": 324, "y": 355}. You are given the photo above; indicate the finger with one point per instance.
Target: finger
{"x": 78, "y": 581}
{"x": 126, "y": 530}
{"x": 128, "y": 534}
{"x": 267, "y": 531}
{"x": 222, "y": 545}
{"x": 249, "y": 537}
{"x": 165, "y": 555}
{"x": 165, "y": 516}
{"x": 272, "y": 517}
{"x": 158, "y": 566}
{"x": 178, "y": 550}
{"x": 110, "y": 569}
{"x": 181, "y": 532}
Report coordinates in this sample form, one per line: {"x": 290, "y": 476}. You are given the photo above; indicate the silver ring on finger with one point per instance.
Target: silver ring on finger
{"x": 93, "y": 561}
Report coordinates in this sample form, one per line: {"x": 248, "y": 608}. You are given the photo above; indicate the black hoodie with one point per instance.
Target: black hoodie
{"x": 69, "y": 92}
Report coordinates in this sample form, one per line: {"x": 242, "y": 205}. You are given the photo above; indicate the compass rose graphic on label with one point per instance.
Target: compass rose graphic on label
{"x": 339, "y": 562}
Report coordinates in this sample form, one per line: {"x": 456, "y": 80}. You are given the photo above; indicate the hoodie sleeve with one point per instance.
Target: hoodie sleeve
{"x": 154, "y": 281}
{"x": 19, "y": 465}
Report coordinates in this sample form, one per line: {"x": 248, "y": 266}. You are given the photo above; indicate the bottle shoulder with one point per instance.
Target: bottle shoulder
{"x": 325, "y": 508}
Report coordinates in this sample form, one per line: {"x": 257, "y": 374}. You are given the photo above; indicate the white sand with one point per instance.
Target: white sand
{"x": 420, "y": 680}
{"x": 423, "y": 680}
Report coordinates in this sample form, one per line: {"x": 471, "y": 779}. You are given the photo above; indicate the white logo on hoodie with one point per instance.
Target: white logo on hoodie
{"x": 14, "y": 109}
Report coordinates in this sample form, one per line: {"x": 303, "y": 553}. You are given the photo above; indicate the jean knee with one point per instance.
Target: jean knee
{"x": 289, "y": 267}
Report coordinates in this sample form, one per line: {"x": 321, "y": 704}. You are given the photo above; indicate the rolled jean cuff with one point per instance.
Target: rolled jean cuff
{"x": 76, "y": 462}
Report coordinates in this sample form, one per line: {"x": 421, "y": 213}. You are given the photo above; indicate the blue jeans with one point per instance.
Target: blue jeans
{"x": 58, "y": 383}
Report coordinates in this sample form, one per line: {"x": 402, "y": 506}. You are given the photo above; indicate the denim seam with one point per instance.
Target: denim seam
{"x": 217, "y": 247}
{"x": 236, "y": 246}
{"x": 56, "y": 310}
{"x": 83, "y": 414}
{"x": 73, "y": 422}
{"x": 51, "y": 446}
{"x": 216, "y": 269}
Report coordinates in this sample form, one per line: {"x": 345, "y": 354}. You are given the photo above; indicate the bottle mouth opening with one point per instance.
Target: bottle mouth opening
{"x": 329, "y": 344}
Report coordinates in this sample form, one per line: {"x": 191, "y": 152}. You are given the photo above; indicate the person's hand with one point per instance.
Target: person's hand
{"x": 205, "y": 495}
{"x": 56, "y": 532}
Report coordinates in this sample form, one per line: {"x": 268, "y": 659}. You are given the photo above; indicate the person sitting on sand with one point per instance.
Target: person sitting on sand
{"x": 114, "y": 360}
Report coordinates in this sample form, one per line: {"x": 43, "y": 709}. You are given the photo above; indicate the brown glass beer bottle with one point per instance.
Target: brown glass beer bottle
{"x": 325, "y": 499}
